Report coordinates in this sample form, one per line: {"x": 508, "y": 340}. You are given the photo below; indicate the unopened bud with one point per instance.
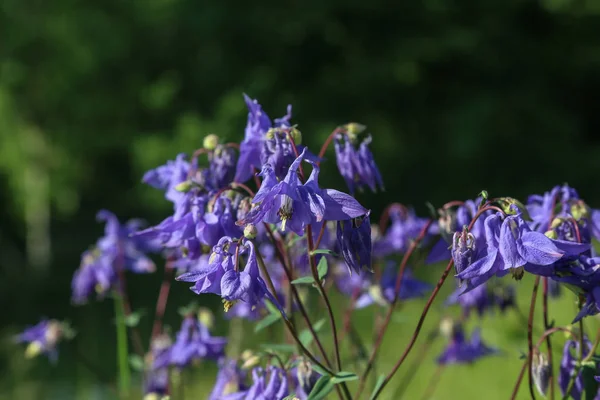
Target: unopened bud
{"x": 551, "y": 234}
{"x": 377, "y": 295}
{"x": 33, "y": 349}
{"x": 579, "y": 210}
{"x": 296, "y": 135}
{"x": 184, "y": 186}
{"x": 517, "y": 273}
{"x": 246, "y": 354}
{"x": 447, "y": 327}
{"x": 354, "y": 128}
{"x": 210, "y": 142}
{"x": 306, "y": 376}
{"x": 541, "y": 372}
{"x": 206, "y": 317}
{"x": 250, "y": 231}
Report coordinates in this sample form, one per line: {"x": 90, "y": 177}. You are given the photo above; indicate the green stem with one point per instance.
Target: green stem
{"x": 122, "y": 350}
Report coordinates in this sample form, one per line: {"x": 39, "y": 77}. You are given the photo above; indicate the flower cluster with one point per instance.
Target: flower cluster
{"x": 253, "y": 228}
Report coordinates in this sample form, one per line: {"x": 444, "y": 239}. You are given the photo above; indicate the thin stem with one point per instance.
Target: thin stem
{"x": 433, "y": 382}
{"x": 548, "y": 341}
{"x": 418, "y": 362}
{"x": 385, "y": 216}
{"x": 163, "y": 296}
{"x": 315, "y": 273}
{"x": 529, "y": 344}
{"x": 321, "y": 232}
{"x": 417, "y": 329}
{"x": 290, "y": 327}
{"x": 328, "y": 142}
{"x": 280, "y": 255}
{"x": 122, "y": 351}
{"x": 392, "y": 305}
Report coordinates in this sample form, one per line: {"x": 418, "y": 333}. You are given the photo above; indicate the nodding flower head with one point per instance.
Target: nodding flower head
{"x": 463, "y": 250}
{"x": 356, "y": 163}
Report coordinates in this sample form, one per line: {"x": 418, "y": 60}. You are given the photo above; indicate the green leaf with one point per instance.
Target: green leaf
{"x": 133, "y": 319}
{"x": 484, "y": 195}
{"x": 304, "y": 280}
{"x": 267, "y": 321}
{"x": 344, "y": 376}
{"x": 378, "y": 385}
{"x": 322, "y": 267}
{"x": 590, "y": 386}
{"x": 278, "y": 347}
{"x": 322, "y": 388}
{"x": 324, "y": 251}
{"x": 320, "y": 370}
{"x": 137, "y": 362}
{"x": 306, "y": 336}
{"x": 272, "y": 308}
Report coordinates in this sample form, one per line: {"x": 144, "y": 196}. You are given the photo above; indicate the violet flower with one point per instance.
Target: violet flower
{"x": 230, "y": 381}
{"x": 42, "y": 338}
{"x": 354, "y": 241}
{"x": 568, "y": 366}
{"x": 461, "y": 351}
{"x": 355, "y": 161}
{"x": 269, "y": 384}
{"x": 295, "y": 205}
{"x": 194, "y": 342}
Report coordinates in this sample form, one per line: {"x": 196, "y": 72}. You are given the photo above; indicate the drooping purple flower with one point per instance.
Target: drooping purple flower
{"x": 460, "y": 350}
{"x": 542, "y": 208}
{"x": 294, "y": 205}
{"x": 511, "y": 246}
{"x": 251, "y": 148}
{"x": 230, "y": 380}
{"x": 268, "y": 384}
{"x": 404, "y": 228}
{"x": 477, "y": 299}
{"x": 42, "y": 338}
{"x": 95, "y": 275}
{"x": 354, "y": 241}
{"x": 568, "y": 367}
{"x": 167, "y": 177}
{"x": 193, "y": 342}
{"x": 355, "y": 161}
{"x": 463, "y": 251}
{"x": 221, "y": 171}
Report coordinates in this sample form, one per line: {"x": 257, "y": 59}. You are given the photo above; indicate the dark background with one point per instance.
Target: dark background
{"x": 460, "y": 96}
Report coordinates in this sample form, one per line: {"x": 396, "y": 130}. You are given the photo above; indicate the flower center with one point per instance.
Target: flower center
{"x": 285, "y": 211}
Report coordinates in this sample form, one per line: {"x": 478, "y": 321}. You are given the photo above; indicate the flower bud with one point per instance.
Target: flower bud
{"x": 296, "y": 135}
{"x": 447, "y": 327}
{"x": 579, "y": 210}
{"x": 353, "y": 129}
{"x": 250, "y": 359}
{"x": 551, "y": 234}
{"x": 307, "y": 377}
{"x": 377, "y": 295}
{"x": 250, "y": 231}
{"x": 210, "y": 142}
{"x": 206, "y": 317}
{"x": 184, "y": 186}
{"x": 34, "y": 349}
{"x": 541, "y": 372}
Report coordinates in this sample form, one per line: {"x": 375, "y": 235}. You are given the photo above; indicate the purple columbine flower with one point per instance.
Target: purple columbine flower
{"x": 95, "y": 275}
{"x": 295, "y": 205}
{"x": 477, "y": 299}
{"x": 221, "y": 171}
{"x": 543, "y": 207}
{"x": 230, "y": 381}
{"x": 354, "y": 241}
{"x": 511, "y": 246}
{"x": 463, "y": 251}
{"x": 193, "y": 343}
{"x": 460, "y": 350}
{"x": 355, "y": 161}
{"x": 271, "y": 383}
{"x": 251, "y": 148}
{"x": 568, "y": 366}
{"x": 42, "y": 339}
{"x": 167, "y": 177}
{"x": 405, "y": 226}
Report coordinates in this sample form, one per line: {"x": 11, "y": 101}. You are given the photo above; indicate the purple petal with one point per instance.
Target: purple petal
{"x": 538, "y": 249}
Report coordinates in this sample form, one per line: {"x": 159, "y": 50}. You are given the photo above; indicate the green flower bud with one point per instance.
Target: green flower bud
{"x": 250, "y": 231}
{"x": 210, "y": 142}
{"x": 551, "y": 235}
{"x": 184, "y": 186}
{"x": 206, "y": 317}
{"x": 296, "y": 135}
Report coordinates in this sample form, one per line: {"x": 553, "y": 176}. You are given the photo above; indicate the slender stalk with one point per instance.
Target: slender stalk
{"x": 433, "y": 382}
{"x": 417, "y": 329}
{"x": 529, "y": 345}
{"x": 418, "y": 362}
{"x": 122, "y": 350}
{"x": 280, "y": 253}
{"x": 548, "y": 341}
{"x": 392, "y": 305}
{"x": 291, "y": 328}
{"x": 328, "y": 142}
{"x": 315, "y": 273}
{"x": 163, "y": 296}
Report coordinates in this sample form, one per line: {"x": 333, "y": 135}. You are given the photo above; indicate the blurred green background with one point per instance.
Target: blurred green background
{"x": 459, "y": 97}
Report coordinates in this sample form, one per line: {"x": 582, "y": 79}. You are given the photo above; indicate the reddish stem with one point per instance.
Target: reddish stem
{"x": 390, "y": 309}
{"x": 163, "y": 296}
{"x": 529, "y": 345}
{"x": 385, "y": 216}
{"x": 328, "y": 142}
{"x": 321, "y": 232}
{"x": 548, "y": 341}
{"x": 417, "y": 329}
{"x": 433, "y": 382}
